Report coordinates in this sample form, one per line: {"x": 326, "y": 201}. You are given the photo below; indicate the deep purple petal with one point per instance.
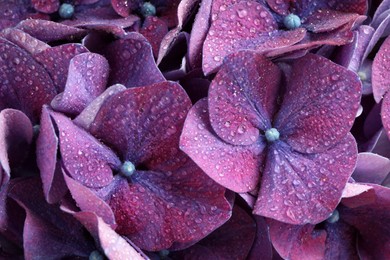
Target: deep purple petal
{"x": 24, "y": 40}
{"x": 233, "y": 31}
{"x": 298, "y": 188}
{"x": 113, "y": 245}
{"x": 372, "y": 219}
{"x": 297, "y": 242}
{"x": 132, "y": 63}
{"x": 87, "y": 79}
{"x": 84, "y": 158}
{"x": 46, "y": 6}
{"x": 160, "y": 210}
{"x": 319, "y": 106}
{"x": 380, "y": 68}
{"x": 16, "y": 135}
{"x": 221, "y": 161}
{"x": 324, "y": 20}
{"x": 48, "y": 232}
{"x": 56, "y": 61}
{"x": 143, "y": 124}
{"x": 87, "y": 200}
{"x": 154, "y": 30}
{"x": 25, "y": 83}
{"x": 385, "y": 114}
{"x": 87, "y": 116}
{"x": 262, "y": 245}
{"x": 233, "y": 240}
{"x": 371, "y": 168}
{"x": 242, "y": 97}
{"x": 48, "y": 31}
{"x": 281, "y": 7}
{"x": 125, "y": 7}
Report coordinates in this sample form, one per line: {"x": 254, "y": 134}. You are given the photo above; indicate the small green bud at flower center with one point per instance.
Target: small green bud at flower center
{"x": 66, "y": 11}
{"x": 362, "y": 75}
{"x": 95, "y": 255}
{"x": 272, "y": 135}
{"x": 334, "y": 217}
{"x": 292, "y": 21}
{"x": 164, "y": 254}
{"x": 127, "y": 169}
{"x": 147, "y": 9}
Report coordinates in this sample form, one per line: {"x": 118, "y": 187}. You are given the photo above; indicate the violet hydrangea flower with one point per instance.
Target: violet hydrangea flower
{"x": 297, "y": 153}
{"x": 277, "y": 27}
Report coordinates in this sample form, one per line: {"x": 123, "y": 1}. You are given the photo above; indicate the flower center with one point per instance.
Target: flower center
{"x": 147, "y": 9}
{"x": 334, "y": 217}
{"x": 362, "y": 75}
{"x": 127, "y": 169}
{"x": 66, "y": 11}
{"x": 95, "y": 255}
{"x": 272, "y": 135}
{"x": 292, "y": 21}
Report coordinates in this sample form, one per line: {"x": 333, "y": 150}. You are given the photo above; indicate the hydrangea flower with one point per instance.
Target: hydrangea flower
{"x": 290, "y": 142}
{"x": 277, "y": 27}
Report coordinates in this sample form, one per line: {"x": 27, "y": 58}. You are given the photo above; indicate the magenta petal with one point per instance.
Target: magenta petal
{"x": 16, "y": 135}
{"x": 56, "y": 61}
{"x": 319, "y": 106}
{"x": 371, "y": 168}
{"x": 46, "y": 6}
{"x": 24, "y": 40}
{"x": 233, "y": 240}
{"x": 262, "y": 244}
{"x": 154, "y": 30}
{"x": 87, "y": 200}
{"x": 380, "y": 68}
{"x": 112, "y": 244}
{"x": 371, "y": 218}
{"x": 48, "y": 232}
{"x": 324, "y": 20}
{"x": 126, "y": 56}
{"x": 298, "y": 188}
{"x": 84, "y": 158}
{"x": 27, "y": 84}
{"x": 246, "y": 25}
{"x": 125, "y": 7}
{"x": 143, "y": 124}
{"x": 87, "y": 116}
{"x": 161, "y": 210}
{"x": 221, "y": 161}
{"x": 48, "y": 31}
{"x": 87, "y": 79}
{"x": 279, "y": 6}
{"x": 297, "y": 242}
{"x": 242, "y": 97}
{"x": 385, "y": 114}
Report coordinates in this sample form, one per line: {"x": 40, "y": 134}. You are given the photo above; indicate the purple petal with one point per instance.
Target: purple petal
{"x": 160, "y": 210}
{"x": 84, "y": 158}
{"x": 154, "y": 31}
{"x": 16, "y": 135}
{"x": 371, "y": 168}
{"x": 354, "y": 189}
{"x": 47, "y": 229}
{"x": 87, "y": 116}
{"x": 87, "y": 200}
{"x": 372, "y": 220}
{"x": 297, "y": 242}
{"x": 56, "y": 61}
{"x": 24, "y": 41}
{"x": 87, "y": 79}
{"x": 281, "y": 7}
{"x": 46, "y": 6}
{"x": 26, "y": 84}
{"x": 126, "y": 55}
{"x": 380, "y": 68}
{"x": 242, "y": 97}
{"x": 233, "y": 31}
{"x": 385, "y": 113}
{"x": 125, "y": 7}
{"x": 113, "y": 245}
{"x": 299, "y": 188}
{"x": 221, "y": 161}
{"x": 319, "y": 106}
{"x": 48, "y": 31}
{"x": 324, "y": 20}
{"x": 143, "y": 124}
{"x": 262, "y": 245}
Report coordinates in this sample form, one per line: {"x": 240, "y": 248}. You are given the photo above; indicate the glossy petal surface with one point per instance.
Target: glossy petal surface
{"x": 319, "y": 106}
{"x": 298, "y": 188}
{"x": 380, "y": 68}
{"x": 221, "y": 161}
{"x": 371, "y": 168}
{"x": 242, "y": 98}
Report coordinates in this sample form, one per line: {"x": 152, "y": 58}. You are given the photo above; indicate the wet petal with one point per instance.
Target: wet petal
{"x": 223, "y": 162}
{"x": 143, "y": 124}
{"x": 46, "y": 6}
{"x": 298, "y": 188}
{"x": 154, "y": 31}
{"x": 24, "y": 40}
{"x": 319, "y": 106}
{"x": 242, "y": 97}
{"x": 262, "y": 244}
{"x": 380, "y": 68}
{"x": 126, "y": 56}
{"x": 371, "y": 168}
{"x": 87, "y": 79}
{"x": 324, "y": 20}
{"x": 125, "y": 7}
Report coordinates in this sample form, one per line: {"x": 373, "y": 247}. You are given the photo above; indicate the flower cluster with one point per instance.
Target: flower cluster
{"x": 194, "y": 129}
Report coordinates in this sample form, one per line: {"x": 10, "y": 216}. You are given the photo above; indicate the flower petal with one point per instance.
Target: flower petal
{"x": 236, "y": 167}
{"x": 320, "y": 104}
{"x": 380, "y": 68}
{"x": 371, "y": 168}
